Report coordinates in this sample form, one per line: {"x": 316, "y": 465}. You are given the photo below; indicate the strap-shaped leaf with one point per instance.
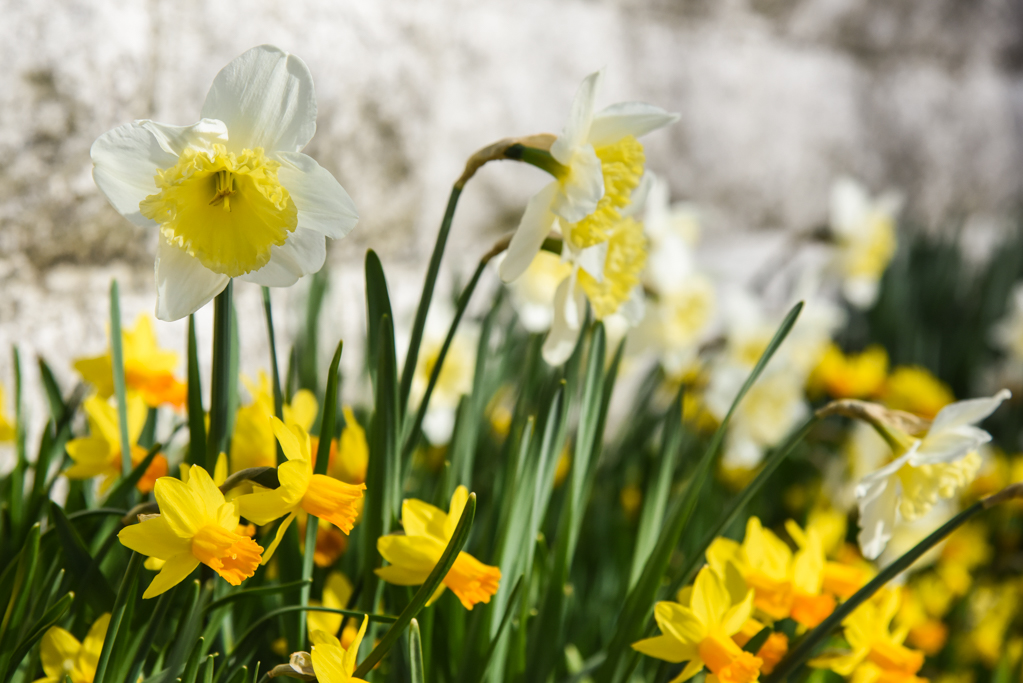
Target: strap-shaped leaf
{"x": 117, "y": 363}
{"x": 196, "y": 414}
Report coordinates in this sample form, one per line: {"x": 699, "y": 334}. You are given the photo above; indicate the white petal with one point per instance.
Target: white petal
{"x": 125, "y": 163}
{"x": 634, "y": 307}
{"x": 302, "y": 254}
{"x": 949, "y": 445}
{"x": 569, "y": 304}
{"x": 582, "y": 188}
{"x": 968, "y": 412}
{"x": 174, "y": 139}
{"x": 323, "y": 205}
{"x": 878, "y": 503}
{"x": 861, "y": 292}
{"x": 266, "y": 98}
{"x": 850, "y": 205}
{"x": 529, "y": 236}
{"x": 577, "y": 128}
{"x": 627, "y": 118}
{"x": 592, "y": 260}
{"x": 183, "y": 284}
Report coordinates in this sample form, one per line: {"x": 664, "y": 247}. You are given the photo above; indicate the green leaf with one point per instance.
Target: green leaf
{"x": 757, "y": 641}
{"x": 53, "y": 393}
{"x": 192, "y": 667}
{"x": 196, "y": 414}
{"x": 308, "y": 341}
{"x": 94, "y": 586}
{"x": 117, "y": 363}
{"x": 274, "y": 370}
{"x": 512, "y": 600}
{"x": 13, "y": 622}
{"x": 415, "y": 653}
{"x": 246, "y": 593}
{"x": 123, "y": 605}
{"x": 134, "y": 663}
{"x": 378, "y": 305}
{"x": 220, "y": 386}
{"x": 49, "y": 618}
{"x": 447, "y": 558}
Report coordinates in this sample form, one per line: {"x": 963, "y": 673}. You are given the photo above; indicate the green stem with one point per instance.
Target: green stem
{"x": 278, "y": 397}
{"x": 117, "y": 363}
{"x": 196, "y": 414}
{"x": 219, "y": 389}
{"x": 807, "y": 646}
{"x": 408, "y": 371}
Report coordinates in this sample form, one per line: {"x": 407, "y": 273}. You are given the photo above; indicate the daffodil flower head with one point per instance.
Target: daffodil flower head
{"x": 301, "y": 490}
{"x": 99, "y": 454}
{"x": 701, "y": 633}
{"x": 148, "y": 369}
{"x": 927, "y": 469}
{"x": 195, "y": 525}
{"x": 232, "y": 195}
{"x": 333, "y": 663}
{"x": 414, "y": 554}
{"x": 856, "y": 375}
{"x": 63, "y": 656}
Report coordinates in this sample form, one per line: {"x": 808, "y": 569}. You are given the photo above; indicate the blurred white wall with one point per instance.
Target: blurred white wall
{"x": 777, "y": 97}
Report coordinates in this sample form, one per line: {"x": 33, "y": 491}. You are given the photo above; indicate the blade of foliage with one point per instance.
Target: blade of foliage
{"x": 48, "y": 619}
{"x": 513, "y": 598}
{"x": 246, "y": 593}
{"x": 122, "y": 604}
{"x": 98, "y": 592}
{"x": 415, "y": 653}
{"x": 378, "y": 305}
{"x": 458, "y": 539}
{"x": 216, "y": 442}
{"x": 196, "y": 414}
{"x": 14, "y": 616}
{"x": 117, "y": 363}
{"x": 275, "y": 375}
{"x": 134, "y": 664}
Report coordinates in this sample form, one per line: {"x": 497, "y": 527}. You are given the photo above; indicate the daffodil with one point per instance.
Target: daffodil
{"x": 64, "y": 657}
{"x": 333, "y": 663}
{"x": 232, "y": 195}
{"x": 915, "y": 390}
{"x": 785, "y": 584}
{"x": 414, "y": 554}
{"x": 337, "y": 591}
{"x": 456, "y": 374}
{"x": 864, "y": 229}
{"x": 856, "y": 375}
{"x": 148, "y": 369}
{"x": 876, "y": 653}
{"x": 253, "y": 444}
{"x": 195, "y": 525}
{"x": 927, "y": 469}
{"x": 701, "y": 633}
{"x": 300, "y": 490}
{"x": 99, "y": 454}
{"x": 7, "y": 430}
{"x": 352, "y": 454}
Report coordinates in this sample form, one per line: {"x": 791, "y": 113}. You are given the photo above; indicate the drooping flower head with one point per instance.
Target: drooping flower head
{"x": 148, "y": 369}
{"x": 414, "y": 554}
{"x": 99, "y": 454}
{"x": 64, "y": 657}
{"x": 232, "y": 195}
{"x": 301, "y": 490}
{"x": 195, "y": 525}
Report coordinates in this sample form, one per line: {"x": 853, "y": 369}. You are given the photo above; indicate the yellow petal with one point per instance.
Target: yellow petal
{"x": 294, "y": 477}
{"x": 293, "y": 439}
{"x": 720, "y": 552}
{"x": 303, "y": 409}
{"x": 738, "y": 615}
{"x": 458, "y": 500}
{"x": 180, "y": 506}
{"x": 220, "y": 470}
{"x": 680, "y": 622}
{"x": 206, "y": 492}
{"x": 667, "y": 648}
{"x": 103, "y": 420}
{"x": 337, "y": 590}
{"x": 414, "y": 552}
{"x": 690, "y": 670}
{"x": 264, "y": 507}
{"x": 403, "y": 576}
{"x": 710, "y": 599}
{"x": 328, "y": 660}
{"x": 437, "y": 593}
{"x": 422, "y": 519}
{"x": 277, "y": 538}
{"x": 58, "y": 646}
{"x": 155, "y": 538}
{"x": 353, "y": 650}
{"x": 174, "y": 572}
{"x": 98, "y": 372}
{"x": 137, "y": 411}
{"x": 88, "y": 656}
{"x": 327, "y": 622}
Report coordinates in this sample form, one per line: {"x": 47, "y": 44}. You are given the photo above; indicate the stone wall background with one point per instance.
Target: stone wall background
{"x": 777, "y": 97}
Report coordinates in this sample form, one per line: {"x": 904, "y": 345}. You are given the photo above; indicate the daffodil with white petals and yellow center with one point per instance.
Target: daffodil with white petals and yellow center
{"x": 925, "y": 470}
{"x": 597, "y": 162}
{"x": 231, "y": 195}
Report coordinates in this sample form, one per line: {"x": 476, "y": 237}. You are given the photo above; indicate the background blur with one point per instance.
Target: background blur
{"x": 777, "y": 98}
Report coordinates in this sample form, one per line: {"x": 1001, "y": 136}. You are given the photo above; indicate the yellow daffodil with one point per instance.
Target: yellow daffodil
{"x": 332, "y": 662}
{"x": 350, "y": 459}
{"x": 857, "y": 375}
{"x": 785, "y": 584}
{"x": 414, "y": 554}
{"x": 915, "y": 390}
{"x": 195, "y": 525}
{"x": 148, "y": 369}
{"x": 864, "y": 230}
{"x": 64, "y": 657}
{"x": 232, "y": 195}
{"x": 992, "y": 610}
{"x": 771, "y": 652}
{"x": 925, "y": 632}
{"x": 702, "y": 632}
{"x": 876, "y": 653}
{"x": 6, "y": 427}
{"x": 300, "y": 490}
{"x": 99, "y": 454}
{"x": 253, "y": 444}
{"x": 927, "y": 469}
{"x": 337, "y": 591}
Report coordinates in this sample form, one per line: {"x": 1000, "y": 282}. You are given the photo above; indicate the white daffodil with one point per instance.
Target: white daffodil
{"x": 864, "y": 228}
{"x": 929, "y": 469}
{"x": 232, "y": 195}
{"x": 601, "y": 163}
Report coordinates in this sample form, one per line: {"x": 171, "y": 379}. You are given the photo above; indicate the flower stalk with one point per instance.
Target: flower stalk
{"x": 219, "y": 389}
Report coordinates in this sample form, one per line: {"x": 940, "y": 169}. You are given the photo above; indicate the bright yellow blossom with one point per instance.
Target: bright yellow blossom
{"x": 333, "y": 663}
{"x": 701, "y": 633}
{"x": 148, "y": 369}
{"x": 349, "y": 458}
{"x": 857, "y": 375}
{"x": 317, "y": 494}
{"x": 414, "y": 554}
{"x": 915, "y": 390}
{"x": 337, "y": 591}
{"x": 63, "y": 656}
{"x": 876, "y": 654}
{"x": 99, "y": 454}
{"x": 195, "y": 525}
{"x": 771, "y": 652}
{"x": 6, "y": 428}
{"x": 253, "y": 444}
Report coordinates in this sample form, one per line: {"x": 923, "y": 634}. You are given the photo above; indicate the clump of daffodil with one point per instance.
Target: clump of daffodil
{"x": 414, "y": 554}
{"x": 856, "y": 375}
{"x": 702, "y": 632}
{"x": 232, "y": 195}
{"x": 785, "y": 584}
{"x": 6, "y": 426}
{"x": 195, "y": 525}
{"x": 876, "y": 653}
{"x": 864, "y": 230}
{"x": 148, "y": 369}
{"x": 300, "y": 490}
{"x": 99, "y": 454}
{"x": 926, "y": 468}
{"x": 63, "y": 657}
{"x": 915, "y": 390}
{"x": 253, "y": 443}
